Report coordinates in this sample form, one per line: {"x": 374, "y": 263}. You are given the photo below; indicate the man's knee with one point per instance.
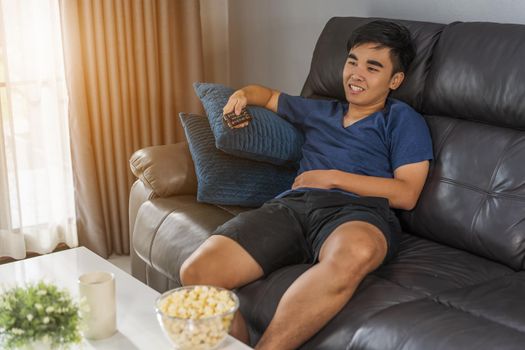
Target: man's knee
{"x": 204, "y": 264}
{"x": 191, "y": 273}
{"x": 363, "y": 257}
{"x": 352, "y": 255}
{"x": 220, "y": 262}
{"x": 347, "y": 270}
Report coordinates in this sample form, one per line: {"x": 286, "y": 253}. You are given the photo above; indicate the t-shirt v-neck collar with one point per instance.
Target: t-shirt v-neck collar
{"x": 346, "y": 105}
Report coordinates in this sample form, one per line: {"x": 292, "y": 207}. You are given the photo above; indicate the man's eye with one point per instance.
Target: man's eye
{"x": 371, "y": 69}
{"x": 353, "y": 63}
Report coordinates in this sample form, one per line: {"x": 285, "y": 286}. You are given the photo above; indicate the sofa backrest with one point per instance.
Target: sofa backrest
{"x": 468, "y": 80}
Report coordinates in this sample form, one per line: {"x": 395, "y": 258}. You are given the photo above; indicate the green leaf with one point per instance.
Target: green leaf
{"x": 44, "y": 302}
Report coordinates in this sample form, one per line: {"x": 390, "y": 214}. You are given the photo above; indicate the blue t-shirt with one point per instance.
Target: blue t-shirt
{"x": 375, "y": 145}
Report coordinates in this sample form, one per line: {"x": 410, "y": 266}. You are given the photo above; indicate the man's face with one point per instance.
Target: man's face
{"x": 367, "y": 75}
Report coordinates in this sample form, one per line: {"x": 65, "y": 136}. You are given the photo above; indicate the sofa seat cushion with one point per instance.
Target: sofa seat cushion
{"x": 429, "y": 267}
{"x": 259, "y": 301}
{"x": 168, "y": 230}
{"x": 460, "y": 321}
{"x": 499, "y": 300}
{"x": 422, "y": 271}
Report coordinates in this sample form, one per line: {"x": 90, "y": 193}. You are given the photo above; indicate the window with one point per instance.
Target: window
{"x": 36, "y": 186}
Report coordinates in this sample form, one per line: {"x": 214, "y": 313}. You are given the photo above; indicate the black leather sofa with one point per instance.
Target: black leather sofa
{"x": 458, "y": 281}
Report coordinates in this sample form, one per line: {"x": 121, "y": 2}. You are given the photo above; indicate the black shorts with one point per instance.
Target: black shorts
{"x": 292, "y": 229}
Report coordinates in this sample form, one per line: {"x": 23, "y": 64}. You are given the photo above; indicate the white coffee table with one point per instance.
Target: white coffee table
{"x": 136, "y": 320}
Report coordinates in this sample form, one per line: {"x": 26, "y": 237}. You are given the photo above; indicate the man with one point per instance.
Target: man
{"x": 360, "y": 158}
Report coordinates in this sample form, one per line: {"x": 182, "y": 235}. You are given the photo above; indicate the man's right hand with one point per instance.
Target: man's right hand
{"x": 235, "y": 104}
{"x": 255, "y": 95}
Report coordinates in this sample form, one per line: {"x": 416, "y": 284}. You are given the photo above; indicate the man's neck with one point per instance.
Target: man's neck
{"x": 357, "y": 112}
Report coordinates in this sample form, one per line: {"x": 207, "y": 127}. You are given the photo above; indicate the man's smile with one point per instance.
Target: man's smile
{"x": 355, "y": 88}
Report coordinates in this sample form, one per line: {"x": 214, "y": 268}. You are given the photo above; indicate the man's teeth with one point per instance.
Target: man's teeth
{"x": 356, "y": 88}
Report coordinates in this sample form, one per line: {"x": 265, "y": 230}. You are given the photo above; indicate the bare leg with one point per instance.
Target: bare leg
{"x": 222, "y": 262}
{"x": 352, "y": 251}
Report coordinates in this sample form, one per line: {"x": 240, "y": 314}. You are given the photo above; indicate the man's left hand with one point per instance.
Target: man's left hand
{"x": 315, "y": 179}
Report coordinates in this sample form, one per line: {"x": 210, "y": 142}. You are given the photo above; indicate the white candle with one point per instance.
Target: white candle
{"x": 98, "y": 289}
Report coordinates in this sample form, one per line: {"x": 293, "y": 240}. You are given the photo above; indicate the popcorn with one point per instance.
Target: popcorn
{"x": 190, "y": 316}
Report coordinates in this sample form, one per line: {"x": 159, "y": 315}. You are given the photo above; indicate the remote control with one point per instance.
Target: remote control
{"x": 233, "y": 119}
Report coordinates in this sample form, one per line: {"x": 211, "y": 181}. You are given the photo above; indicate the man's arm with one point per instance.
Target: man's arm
{"x": 252, "y": 95}
{"x": 402, "y": 191}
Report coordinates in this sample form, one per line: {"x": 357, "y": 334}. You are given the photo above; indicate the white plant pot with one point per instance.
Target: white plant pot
{"x": 38, "y": 345}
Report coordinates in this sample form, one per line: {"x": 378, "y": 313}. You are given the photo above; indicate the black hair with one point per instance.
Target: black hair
{"x": 386, "y": 34}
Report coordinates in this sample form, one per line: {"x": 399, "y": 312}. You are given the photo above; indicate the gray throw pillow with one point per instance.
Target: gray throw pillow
{"x": 268, "y": 137}
{"x": 228, "y": 180}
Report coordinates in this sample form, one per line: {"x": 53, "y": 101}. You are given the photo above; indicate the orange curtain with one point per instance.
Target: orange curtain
{"x": 130, "y": 65}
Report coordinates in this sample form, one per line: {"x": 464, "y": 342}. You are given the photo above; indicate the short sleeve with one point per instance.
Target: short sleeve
{"x": 410, "y": 140}
{"x": 295, "y": 109}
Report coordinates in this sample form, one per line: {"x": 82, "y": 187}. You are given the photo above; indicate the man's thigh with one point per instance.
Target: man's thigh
{"x": 220, "y": 261}
{"x": 272, "y": 235}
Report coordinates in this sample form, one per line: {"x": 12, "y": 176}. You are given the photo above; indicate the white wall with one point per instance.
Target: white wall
{"x": 271, "y": 41}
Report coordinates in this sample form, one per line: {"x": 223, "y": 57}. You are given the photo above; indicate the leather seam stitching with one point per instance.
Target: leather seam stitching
{"x": 380, "y": 311}
{"x": 480, "y": 190}
{"x": 482, "y": 202}
{"x": 479, "y": 316}
{"x": 498, "y": 165}
{"x": 473, "y": 224}
{"x": 506, "y": 274}
{"x": 142, "y": 177}
{"x": 155, "y": 235}
{"x": 452, "y": 125}
{"x": 425, "y": 295}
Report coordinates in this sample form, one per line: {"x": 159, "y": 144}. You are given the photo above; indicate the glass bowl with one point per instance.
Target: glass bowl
{"x": 193, "y": 321}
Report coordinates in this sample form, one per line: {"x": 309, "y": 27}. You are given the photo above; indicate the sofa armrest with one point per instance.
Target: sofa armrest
{"x": 167, "y": 170}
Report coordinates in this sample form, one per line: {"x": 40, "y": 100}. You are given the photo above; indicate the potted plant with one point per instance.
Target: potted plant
{"x": 39, "y": 315}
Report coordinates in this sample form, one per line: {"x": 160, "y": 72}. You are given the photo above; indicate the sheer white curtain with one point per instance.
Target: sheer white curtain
{"x": 36, "y": 185}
